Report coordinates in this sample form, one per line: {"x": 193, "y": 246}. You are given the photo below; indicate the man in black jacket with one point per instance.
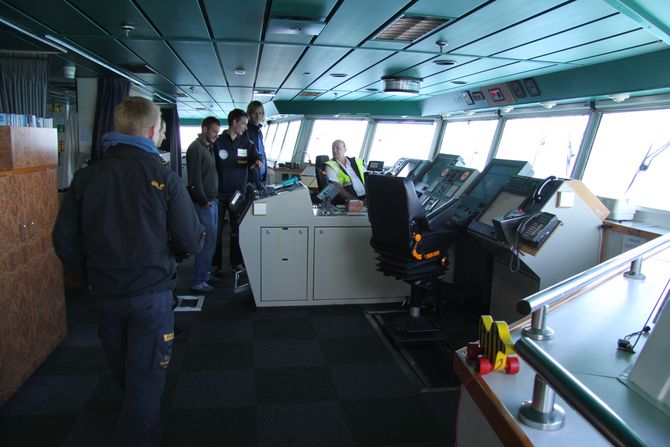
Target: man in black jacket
{"x": 236, "y": 157}
{"x": 118, "y": 226}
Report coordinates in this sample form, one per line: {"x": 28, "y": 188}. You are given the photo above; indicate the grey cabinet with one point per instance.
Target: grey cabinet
{"x": 284, "y": 263}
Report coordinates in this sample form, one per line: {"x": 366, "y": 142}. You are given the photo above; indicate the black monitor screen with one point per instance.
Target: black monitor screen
{"x": 493, "y": 178}
{"x": 330, "y": 191}
{"x": 437, "y": 170}
{"x": 506, "y": 201}
{"x": 375, "y": 166}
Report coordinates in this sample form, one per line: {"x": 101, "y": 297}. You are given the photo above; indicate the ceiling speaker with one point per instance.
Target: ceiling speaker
{"x": 401, "y": 85}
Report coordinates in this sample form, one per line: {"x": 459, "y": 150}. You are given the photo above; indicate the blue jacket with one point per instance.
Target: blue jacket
{"x": 234, "y": 160}
{"x": 255, "y": 134}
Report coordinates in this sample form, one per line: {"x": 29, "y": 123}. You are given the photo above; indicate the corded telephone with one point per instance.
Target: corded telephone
{"x": 537, "y": 227}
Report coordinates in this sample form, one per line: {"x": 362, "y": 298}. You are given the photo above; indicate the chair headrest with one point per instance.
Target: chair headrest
{"x": 321, "y": 159}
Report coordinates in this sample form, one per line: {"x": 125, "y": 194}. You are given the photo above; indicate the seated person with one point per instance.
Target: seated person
{"x": 348, "y": 173}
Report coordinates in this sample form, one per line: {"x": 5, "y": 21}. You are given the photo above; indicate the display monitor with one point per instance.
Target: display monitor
{"x": 329, "y": 192}
{"x": 505, "y": 202}
{"x": 375, "y": 166}
{"x": 438, "y": 169}
{"x": 494, "y": 177}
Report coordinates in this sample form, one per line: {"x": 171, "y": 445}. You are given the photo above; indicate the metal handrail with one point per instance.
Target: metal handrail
{"x": 590, "y": 406}
{"x": 569, "y": 286}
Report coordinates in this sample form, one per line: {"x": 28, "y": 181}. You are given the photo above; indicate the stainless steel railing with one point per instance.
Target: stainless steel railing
{"x": 537, "y": 304}
{"x": 551, "y": 373}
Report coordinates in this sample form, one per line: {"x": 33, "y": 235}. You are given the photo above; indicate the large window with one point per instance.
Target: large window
{"x": 287, "y": 148}
{"x": 187, "y": 135}
{"x": 550, "y": 144}
{"x": 469, "y": 139}
{"x": 396, "y": 140}
{"x": 630, "y": 157}
{"x": 325, "y": 131}
{"x": 273, "y": 145}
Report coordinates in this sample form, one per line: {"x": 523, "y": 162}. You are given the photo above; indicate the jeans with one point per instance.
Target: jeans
{"x": 235, "y": 254}
{"x": 137, "y": 334}
{"x": 203, "y": 261}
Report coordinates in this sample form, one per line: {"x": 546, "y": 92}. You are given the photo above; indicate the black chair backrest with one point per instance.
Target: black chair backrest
{"x": 320, "y": 171}
{"x": 393, "y": 210}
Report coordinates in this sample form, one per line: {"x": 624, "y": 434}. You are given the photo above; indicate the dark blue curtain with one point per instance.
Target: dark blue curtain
{"x": 111, "y": 91}
{"x": 23, "y": 83}
{"x": 172, "y": 141}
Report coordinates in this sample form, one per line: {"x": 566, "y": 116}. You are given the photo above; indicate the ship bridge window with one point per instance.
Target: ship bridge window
{"x": 396, "y": 140}
{"x": 550, "y": 144}
{"x": 469, "y": 139}
{"x": 280, "y": 147}
{"x": 325, "y": 131}
{"x": 630, "y": 157}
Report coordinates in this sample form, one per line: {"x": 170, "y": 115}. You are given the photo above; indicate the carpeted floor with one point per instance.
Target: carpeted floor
{"x": 307, "y": 376}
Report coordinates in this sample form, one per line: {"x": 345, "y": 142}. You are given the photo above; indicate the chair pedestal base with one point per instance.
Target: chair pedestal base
{"x": 404, "y": 330}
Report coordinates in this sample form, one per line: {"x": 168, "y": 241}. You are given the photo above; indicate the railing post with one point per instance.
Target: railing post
{"x": 541, "y": 412}
{"x": 538, "y": 329}
{"x": 635, "y": 271}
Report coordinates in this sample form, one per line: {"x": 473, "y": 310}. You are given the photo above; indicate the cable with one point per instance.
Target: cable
{"x": 623, "y": 344}
{"x": 515, "y": 259}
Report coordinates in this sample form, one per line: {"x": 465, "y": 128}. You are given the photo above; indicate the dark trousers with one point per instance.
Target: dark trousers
{"x": 235, "y": 254}
{"x": 137, "y": 334}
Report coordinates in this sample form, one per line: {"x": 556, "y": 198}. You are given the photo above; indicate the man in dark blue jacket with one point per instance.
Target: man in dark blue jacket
{"x": 256, "y": 114}
{"x": 235, "y": 156}
{"x": 118, "y": 226}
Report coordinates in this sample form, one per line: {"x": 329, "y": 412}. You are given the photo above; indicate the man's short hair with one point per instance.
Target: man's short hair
{"x": 253, "y": 106}
{"x": 135, "y": 115}
{"x": 236, "y": 115}
{"x": 209, "y": 121}
{"x": 336, "y": 142}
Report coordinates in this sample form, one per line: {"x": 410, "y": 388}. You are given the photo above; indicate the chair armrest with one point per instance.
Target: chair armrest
{"x": 431, "y": 244}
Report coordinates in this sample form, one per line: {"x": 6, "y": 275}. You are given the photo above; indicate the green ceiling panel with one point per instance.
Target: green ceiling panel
{"x": 594, "y": 31}
{"x": 355, "y": 20}
{"x": 112, "y": 14}
{"x": 442, "y": 8}
{"x": 628, "y": 40}
{"x": 276, "y": 63}
{"x": 162, "y": 59}
{"x": 491, "y": 18}
{"x": 181, "y": 18}
{"x": 630, "y": 52}
{"x": 201, "y": 58}
{"x": 302, "y": 8}
{"x": 569, "y": 16}
{"x": 220, "y": 94}
{"x": 243, "y": 56}
{"x": 352, "y": 64}
{"x": 241, "y": 96}
{"x": 232, "y": 20}
{"x": 57, "y": 14}
{"x": 315, "y": 62}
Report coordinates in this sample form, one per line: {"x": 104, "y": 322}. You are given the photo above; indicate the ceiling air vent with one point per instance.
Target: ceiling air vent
{"x": 310, "y": 93}
{"x": 410, "y": 28}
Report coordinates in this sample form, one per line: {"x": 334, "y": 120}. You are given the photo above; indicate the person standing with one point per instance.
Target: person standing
{"x": 203, "y": 185}
{"x": 118, "y": 226}
{"x": 348, "y": 172}
{"x": 236, "y": 157}
{"x": 256, "y": 114}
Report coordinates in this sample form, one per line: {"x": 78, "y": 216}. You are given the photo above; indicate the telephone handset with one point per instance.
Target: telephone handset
{"x": 536, "y": 228}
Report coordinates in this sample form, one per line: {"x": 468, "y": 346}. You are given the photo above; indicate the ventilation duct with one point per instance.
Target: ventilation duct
{"x": 409, "y": 28}
{"x": 401, "y": 85}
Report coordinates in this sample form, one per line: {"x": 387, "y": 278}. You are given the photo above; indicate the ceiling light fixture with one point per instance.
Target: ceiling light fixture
{"x": 264, "y": 93}
{"x": 459, "y": 82}
{"x": 338, "y": 75}
{"x": 240, "y": 71}
{"x": 296, "y": 25}
{"x": 619, "y": 97}
{"x": 444, "y": 62}
{"x": 127, "y": 28}
{"x": 548, "y": 104}
{"x": 469, "y": 112}
{"x": 506, "y": 109}
{"x": 95, "y": 60}
{"x": 402, "y": 85}
{"x": 31, "y": 35}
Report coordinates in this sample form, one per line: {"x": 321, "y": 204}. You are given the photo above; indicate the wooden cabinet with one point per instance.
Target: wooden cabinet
{"x": 32, "y": 316}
